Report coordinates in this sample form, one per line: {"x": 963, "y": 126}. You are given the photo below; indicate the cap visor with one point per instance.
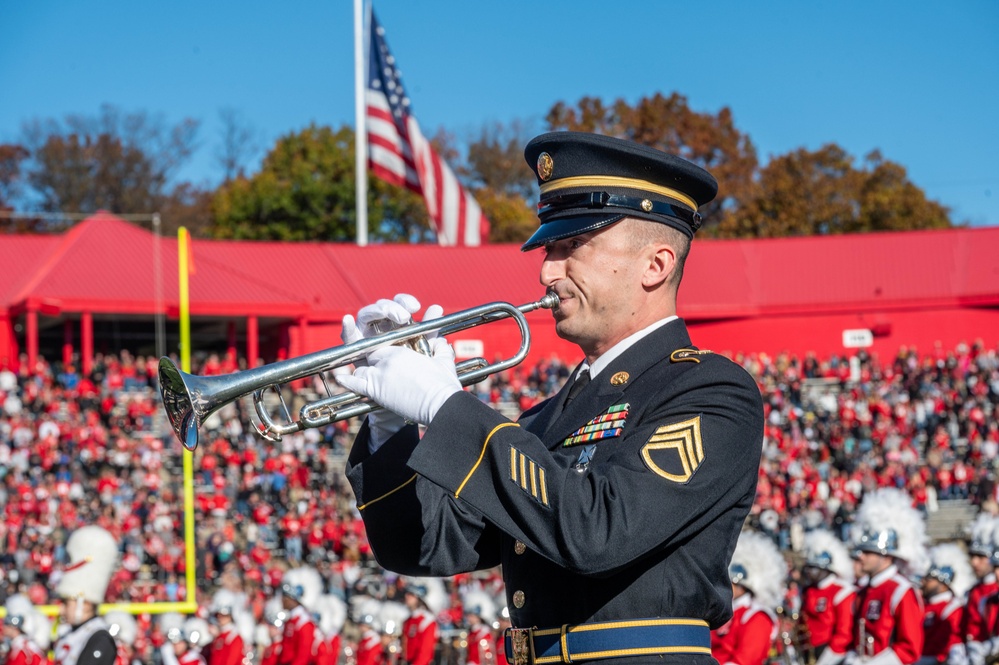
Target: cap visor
{"x": 566, "y": 227}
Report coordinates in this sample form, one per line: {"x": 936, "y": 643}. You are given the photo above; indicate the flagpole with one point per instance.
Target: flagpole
{"x": 360, "y": 125}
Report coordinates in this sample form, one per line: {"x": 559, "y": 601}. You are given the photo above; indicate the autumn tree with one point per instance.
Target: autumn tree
{"x": 502, "y": 182}
{"x": 305, "y": 190}
{"x": 823, "y": 192}
{"x": 121, "y": 162}
{"x": 711, "y": 141}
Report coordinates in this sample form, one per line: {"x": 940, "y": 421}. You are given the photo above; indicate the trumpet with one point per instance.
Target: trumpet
{"x": 189, "y": 400}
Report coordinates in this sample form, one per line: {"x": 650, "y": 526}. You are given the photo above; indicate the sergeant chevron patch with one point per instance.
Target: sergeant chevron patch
{"x": 528, "y": 475}
{"x": 605, "y": 426}
{"x": 685, "y": 439}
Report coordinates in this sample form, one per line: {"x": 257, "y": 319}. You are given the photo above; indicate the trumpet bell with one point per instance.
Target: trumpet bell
{"x": 179, "y": 401}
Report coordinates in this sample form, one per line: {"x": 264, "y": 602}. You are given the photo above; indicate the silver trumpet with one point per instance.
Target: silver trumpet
{"x": 189, "y": 399}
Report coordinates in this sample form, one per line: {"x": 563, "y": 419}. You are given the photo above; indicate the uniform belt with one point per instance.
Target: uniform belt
{"x": 609, "y": 639}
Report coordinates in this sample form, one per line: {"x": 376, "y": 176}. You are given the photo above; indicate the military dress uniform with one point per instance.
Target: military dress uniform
{"x": 889, "y": 617}
{"x": 614, "y": 517}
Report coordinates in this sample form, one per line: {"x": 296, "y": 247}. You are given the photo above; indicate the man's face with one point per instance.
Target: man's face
{"x": 872, "y": 563}
{"x": 75, "y": 611}
{"x": 598, "y": 278}
{"x": 981, "y": 565}
{"x": 932, "y": 586}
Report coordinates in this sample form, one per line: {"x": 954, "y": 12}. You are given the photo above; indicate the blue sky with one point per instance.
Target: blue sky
{"x": 917, "y": 80}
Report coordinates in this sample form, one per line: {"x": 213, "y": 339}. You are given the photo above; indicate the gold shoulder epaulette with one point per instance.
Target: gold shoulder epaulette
{"x": 681, "y": 355}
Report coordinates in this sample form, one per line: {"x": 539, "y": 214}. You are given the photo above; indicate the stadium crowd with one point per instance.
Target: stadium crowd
{"x": 78, "y": 450}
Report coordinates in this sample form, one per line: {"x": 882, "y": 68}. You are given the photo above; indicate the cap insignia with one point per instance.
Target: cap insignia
{"x": 646, "y": 205}
{"x": 684, "y": 355}
{"x": 546, "y": 165}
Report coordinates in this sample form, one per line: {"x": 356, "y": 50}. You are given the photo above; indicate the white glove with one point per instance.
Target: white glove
{"x": 381, "y": 317}
{"x": 979, "y": 651}
{"x": 408, "y": 383}
{"x": 830, "y": 657}
{"x": 958, "y": 655}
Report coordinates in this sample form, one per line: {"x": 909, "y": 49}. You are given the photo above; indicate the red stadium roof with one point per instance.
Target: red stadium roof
{"x": 106, "y": 265}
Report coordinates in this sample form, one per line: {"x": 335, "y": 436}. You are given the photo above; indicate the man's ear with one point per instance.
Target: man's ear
{"x": 660, "y": 265}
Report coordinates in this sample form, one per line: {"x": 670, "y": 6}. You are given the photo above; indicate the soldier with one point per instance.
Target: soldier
{"x": 613, "y": 507}
{"x": 828, "y": 597}
{"x": 889, "y": 619}
{"x": 758, "y": 572}
{"x": 480, "y": 612}
{"x": 19, "y": 628}
{"x": 424, "y": 598}
{"x": 944, "y": 586}
{"x": 300, "y": 589}
{"x": 984, "y": 556}
{"x": 228, "y": 647}
{"x": 93, "y": 554}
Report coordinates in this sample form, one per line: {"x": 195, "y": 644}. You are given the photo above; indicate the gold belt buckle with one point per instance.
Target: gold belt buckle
{"x": 522, "y": 643}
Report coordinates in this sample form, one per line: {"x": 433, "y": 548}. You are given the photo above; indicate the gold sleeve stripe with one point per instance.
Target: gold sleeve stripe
{"x": 534, "y": 479}
{"x": 513, "y": 464}
{"x": 544, "y": 488}
{"x": 523, "y": 472}
{"x": 482, "y": 454}
{"x": 389, "y": 493}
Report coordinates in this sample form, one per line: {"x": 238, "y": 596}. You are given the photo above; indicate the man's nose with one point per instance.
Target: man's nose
{"x": 552, "y": 270}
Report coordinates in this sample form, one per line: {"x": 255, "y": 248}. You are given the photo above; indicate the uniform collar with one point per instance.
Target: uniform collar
{"x": 884, "y": 576}
{"x": 612, "y": 353}
{"x": 944, "y": 597}
{"x": 631, "y": 362}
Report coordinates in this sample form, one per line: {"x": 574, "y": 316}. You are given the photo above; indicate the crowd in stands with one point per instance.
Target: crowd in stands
{"x": 77, "y": 450}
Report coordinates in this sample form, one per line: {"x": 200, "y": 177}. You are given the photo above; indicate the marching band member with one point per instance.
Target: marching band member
{"x": 889, "y": 619}
{"x": 828, "y": 596}
{"x": 19, "y": 630}
{"x": 274, "y": 618}
{"x": 93, "y": 554}
{"x": 758, "y": 572}
{"x": 369, "y": 647}
{"x": 332, "y": 612}
{"x": 480, "y": 611}
{"x": 228, "y": 647}
{"x": 392, "y": 617}
{"x": 424, "y": 597}
{"x": 124, "y": 630}
{"x": 984, "y": 557}
{"x": 985, "y": 650}
{"x": 300, "y": 589}
{"x": 944, "y": 586}
{"x": 185, "y": 640}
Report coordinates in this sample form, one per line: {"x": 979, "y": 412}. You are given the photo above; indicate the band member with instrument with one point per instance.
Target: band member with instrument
{"x": 944, "y": 586}
{"x": 758, "y": 572}
{"x": 615, "y": 505}
{"x": 984, "y": 553}
{"x": 889, "y": 619}
{"x": 228, "y": 646}
{"x": 84, "y": 638}
{"x": 480, "y": 611}
{"x": 984, "y": 650}
{"x": 828, "y": 597}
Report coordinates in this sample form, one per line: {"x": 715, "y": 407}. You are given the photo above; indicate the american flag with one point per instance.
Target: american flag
{"x": 400, "y": 154}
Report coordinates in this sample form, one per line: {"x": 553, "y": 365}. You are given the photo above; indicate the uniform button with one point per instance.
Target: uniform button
{"x": 519, "y": 547}
{"x": 518, "y": 599}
